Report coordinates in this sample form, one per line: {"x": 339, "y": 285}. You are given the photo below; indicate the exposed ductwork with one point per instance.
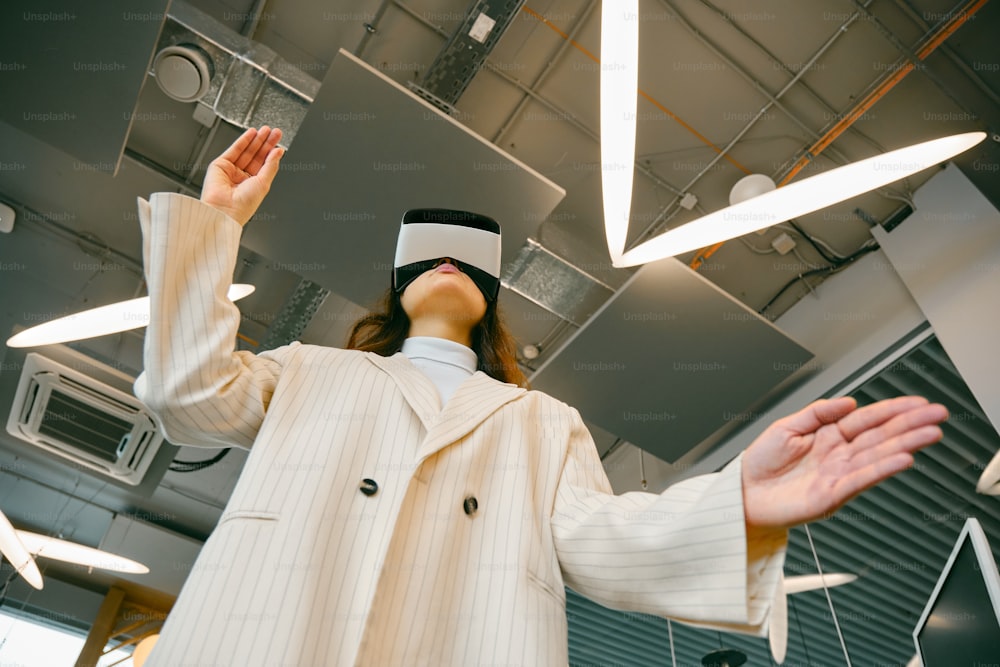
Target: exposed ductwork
{"x": 464, "y": 53}
{"x": 554, "y": 284}
{"x": 248, "y": 84}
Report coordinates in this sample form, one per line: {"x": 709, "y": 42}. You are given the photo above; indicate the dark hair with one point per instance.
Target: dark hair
{"x": 384, "y": 331}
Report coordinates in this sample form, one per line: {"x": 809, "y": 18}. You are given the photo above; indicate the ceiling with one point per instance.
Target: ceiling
{"x": 896, "y": 538}
{"x": 763, "y": 80}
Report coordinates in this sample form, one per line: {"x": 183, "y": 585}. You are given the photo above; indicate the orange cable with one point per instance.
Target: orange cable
{"x": 550, "y": 24}
{"x": 859, "y": 109}
{"x": 647, "y": 96}
{"x": 883, "y": 88}
{"x": 245, "y": 339}
{"x": 693, "y": 131}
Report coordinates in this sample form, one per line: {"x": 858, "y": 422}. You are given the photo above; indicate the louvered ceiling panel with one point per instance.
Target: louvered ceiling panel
{"x": 895, "y": 537}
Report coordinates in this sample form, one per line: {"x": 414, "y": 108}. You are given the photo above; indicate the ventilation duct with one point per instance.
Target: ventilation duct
{"x": 554, "y": 284}
{"x": 71, "y": 415}
{"x": 250, "y": 84}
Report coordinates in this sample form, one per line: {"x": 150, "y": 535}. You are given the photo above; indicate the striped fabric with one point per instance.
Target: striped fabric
{"x": 483, "y": 511}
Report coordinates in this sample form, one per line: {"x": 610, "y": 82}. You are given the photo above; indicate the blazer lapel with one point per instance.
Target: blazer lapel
{"x": 474, "y": 400}
{"x": 417, "y": 388}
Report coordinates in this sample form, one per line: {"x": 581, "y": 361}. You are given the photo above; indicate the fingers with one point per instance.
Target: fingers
{"x": 818, "y": 413}
{"x": 888, "y": 449}
{"x": 251, "y": 149}
{"x": 233, "y": 153}
{"x": 269, "y": 141}
{"x": 906, "y": 433}
{"x": 868, "y": 476}
{"x": 249, "y": 153}
{"x": 874, "y": 416}
{"x": 271, "y": 163}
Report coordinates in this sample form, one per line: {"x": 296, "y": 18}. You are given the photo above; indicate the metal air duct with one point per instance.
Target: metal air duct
{"x": 242, "y": 82}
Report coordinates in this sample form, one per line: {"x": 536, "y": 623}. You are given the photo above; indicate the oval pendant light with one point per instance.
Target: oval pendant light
{"x": 619, "y": 94}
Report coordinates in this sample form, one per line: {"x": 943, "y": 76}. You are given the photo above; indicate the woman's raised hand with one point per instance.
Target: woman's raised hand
{"x": 238, "y": 180}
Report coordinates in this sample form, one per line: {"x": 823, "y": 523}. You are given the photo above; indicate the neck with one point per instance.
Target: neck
{"x": 449, "y": 330}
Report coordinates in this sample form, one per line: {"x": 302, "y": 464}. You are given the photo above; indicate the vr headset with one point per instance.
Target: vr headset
{"x": 427, "y": 235}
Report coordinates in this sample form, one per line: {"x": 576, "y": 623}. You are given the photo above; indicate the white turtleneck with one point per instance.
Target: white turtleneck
{"x": 445, "y": 362}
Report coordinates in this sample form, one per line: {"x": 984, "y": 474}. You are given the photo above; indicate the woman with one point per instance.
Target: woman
{"x": 389, "y": 516}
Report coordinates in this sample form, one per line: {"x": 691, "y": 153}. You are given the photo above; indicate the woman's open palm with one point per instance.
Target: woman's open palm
{"x": 237, "y": 181}
{"x": 807, "y": 465}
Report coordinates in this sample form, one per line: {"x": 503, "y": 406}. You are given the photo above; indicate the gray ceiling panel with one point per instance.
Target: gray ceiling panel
{"x": 68, "y": 77}
{"x": 368, "y": 150}
{"x": 670, "y": 360}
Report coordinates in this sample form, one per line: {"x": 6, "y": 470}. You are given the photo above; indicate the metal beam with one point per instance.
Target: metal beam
{"x": 295, "y": 315}
{"x": 950, "y": 52}
{"x": 663, "y": 217}
{"x": 910, "y": 55}
{"x": 371, "y": 28}
{"x": 541, "y": 99}
{"x": 466, "y": 50}
{"x": 549, "y": 66}
{"x": 802, "y": 84}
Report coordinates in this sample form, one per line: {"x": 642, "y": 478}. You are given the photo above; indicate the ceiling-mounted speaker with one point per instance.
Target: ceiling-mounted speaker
{"x": 183, "y": 72}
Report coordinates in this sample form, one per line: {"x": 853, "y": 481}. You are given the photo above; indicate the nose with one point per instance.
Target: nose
{"x": 445, "y": 259}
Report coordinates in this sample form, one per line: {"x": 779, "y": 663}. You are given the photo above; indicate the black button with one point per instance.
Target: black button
{"x": 470, "y": 505}
{"x": 369, "y": 487}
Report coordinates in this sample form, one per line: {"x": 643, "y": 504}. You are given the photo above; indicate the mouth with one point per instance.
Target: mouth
{"x": 446, "y": 268}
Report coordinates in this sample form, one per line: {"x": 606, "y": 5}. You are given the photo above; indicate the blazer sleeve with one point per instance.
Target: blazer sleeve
{"x": 204, "y": 392}
{"x": 682, "y": 554}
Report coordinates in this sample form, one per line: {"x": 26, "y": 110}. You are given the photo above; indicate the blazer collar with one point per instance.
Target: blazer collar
{"x": 417, "y": 389}
{"x": 476, "y": 398}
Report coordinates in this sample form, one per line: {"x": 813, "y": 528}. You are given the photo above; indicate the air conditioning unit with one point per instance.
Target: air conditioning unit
{"x": 72, "y": 415}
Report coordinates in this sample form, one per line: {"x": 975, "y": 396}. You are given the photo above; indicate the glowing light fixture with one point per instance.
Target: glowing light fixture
{"x": 778, "y": 624}
{"x": 619, "y": 94}
{"x": 799, "y": 198}
{"x": 42, "y": 546}
{"x": 810, "y": 582}
{"x": 15, "y": 551}
{"x": 989, "y": 481}
{"x": 109, "y": 319}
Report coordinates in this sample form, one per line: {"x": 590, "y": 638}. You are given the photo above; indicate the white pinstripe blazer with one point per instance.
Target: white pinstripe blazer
{"x": 305, "y": 569}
